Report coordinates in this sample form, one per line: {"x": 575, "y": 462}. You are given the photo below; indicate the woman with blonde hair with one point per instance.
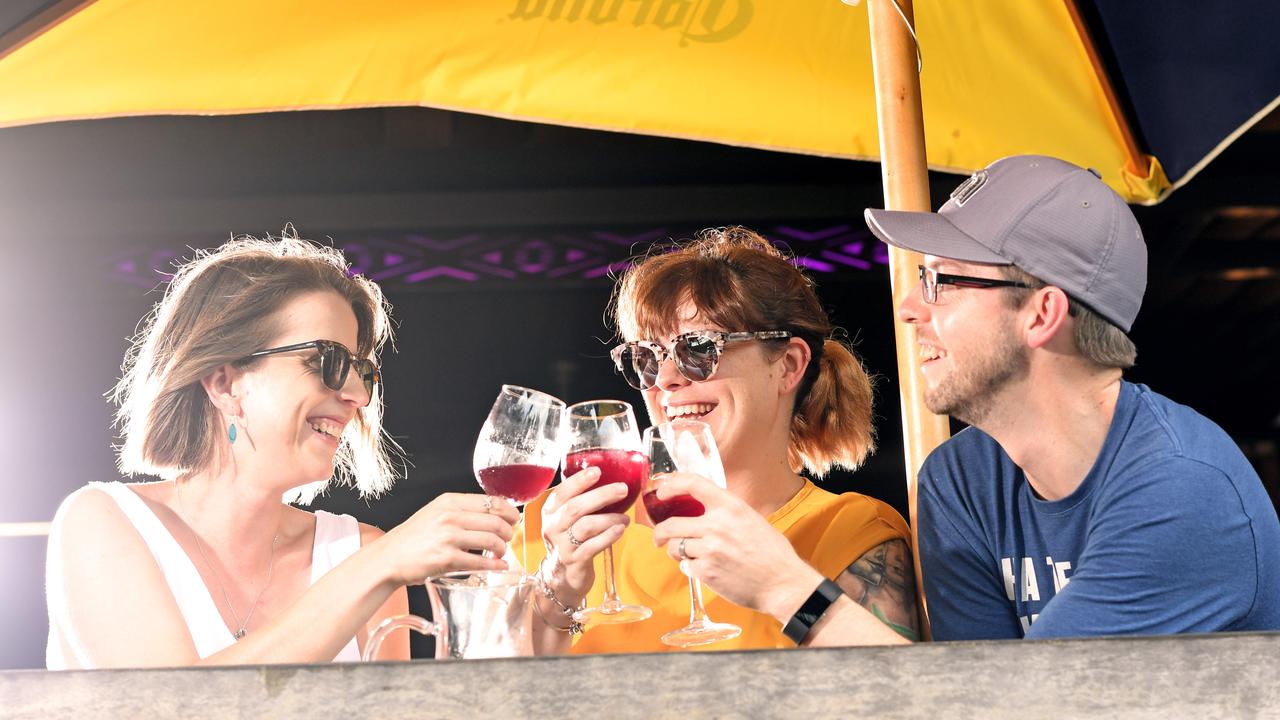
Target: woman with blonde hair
{"x": 727, "y": 330}
{"x": 254, "y": 379}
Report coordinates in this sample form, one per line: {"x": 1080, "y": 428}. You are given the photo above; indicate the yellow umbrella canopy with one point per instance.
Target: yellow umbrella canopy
{"x": 1001, "y": 76}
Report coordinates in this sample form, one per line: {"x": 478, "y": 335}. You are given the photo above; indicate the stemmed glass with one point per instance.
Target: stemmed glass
{"x": 602, "y": 434}
{"x": 685, "y": 446}
{"x": 519, "y": 447}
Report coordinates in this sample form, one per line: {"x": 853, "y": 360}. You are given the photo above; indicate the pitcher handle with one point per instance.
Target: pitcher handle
{"x": 385, "y": 628}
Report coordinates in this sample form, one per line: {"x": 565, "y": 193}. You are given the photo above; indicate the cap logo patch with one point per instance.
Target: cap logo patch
{"x": 969, "y": 188}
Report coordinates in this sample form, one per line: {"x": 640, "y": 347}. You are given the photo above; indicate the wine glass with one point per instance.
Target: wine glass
{"x": 602, "y": 434}
{"x": 519, "y": 447}
{"x": 685, "y": 446}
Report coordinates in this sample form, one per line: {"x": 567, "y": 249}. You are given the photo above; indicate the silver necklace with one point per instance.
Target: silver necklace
{"x": 271, "y": 562}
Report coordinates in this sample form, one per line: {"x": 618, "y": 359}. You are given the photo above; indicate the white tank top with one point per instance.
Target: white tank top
{"x": 337, "y": 538}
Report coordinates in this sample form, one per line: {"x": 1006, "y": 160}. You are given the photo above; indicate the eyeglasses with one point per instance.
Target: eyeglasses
{"x": 335, "y": 363}
{"x": 697, "y": 354}
{"x": 930, "y": 279}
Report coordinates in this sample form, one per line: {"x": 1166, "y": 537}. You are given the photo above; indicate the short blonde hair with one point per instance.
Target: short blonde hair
{"x": 1099, "y": 340}
{"x": 740, "y": 281}
{"x": 218, "y": 308}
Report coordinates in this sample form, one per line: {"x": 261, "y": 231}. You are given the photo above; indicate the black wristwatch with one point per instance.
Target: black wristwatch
{"x": 801, "y": 624}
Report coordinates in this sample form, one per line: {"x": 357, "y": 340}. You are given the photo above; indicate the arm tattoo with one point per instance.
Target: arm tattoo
{"x": 884, "y": 582}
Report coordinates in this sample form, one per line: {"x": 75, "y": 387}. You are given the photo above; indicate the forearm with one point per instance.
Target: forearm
{"x": 550, "y": 634}
{"x": 844, "y": 623}
{"x": 848, "y": 623}
{"x": 317, "y": 626}
{"x": 552, "y": 616}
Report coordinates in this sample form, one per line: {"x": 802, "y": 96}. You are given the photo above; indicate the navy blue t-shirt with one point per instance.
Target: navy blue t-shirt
{"x": 1171, "y": 531}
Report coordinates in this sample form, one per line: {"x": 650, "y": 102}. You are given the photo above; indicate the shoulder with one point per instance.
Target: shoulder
{"x": 1176, "y": 502}
{"x": 328, "y": 524}
{"x": 1169, "y": 447}
{"x": 846, "y": 509}
{"x": 320, "y": 528}
{"x": 1167, "y": 433}
{"x": 92, "y": 533}
{"x": 834, "y": 530}
{"x": 91, "y": 509}
{"x": 969, "y": 470}
{"x": 966, "y": 449}
{"x": 1171, "y": 486}
{"x": 967, "y": 487}
{"x": 869, "y": 510}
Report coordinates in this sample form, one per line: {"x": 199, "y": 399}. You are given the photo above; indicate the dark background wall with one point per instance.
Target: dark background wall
{"x": 90, "y": 211}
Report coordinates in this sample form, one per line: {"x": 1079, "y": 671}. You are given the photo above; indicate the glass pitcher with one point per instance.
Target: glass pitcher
{"x": 482, "y": 614}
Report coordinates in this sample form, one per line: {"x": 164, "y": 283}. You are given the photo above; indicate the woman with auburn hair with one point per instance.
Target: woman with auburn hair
{"x": 254, "y": 379}
{"x": 725, "y": 329}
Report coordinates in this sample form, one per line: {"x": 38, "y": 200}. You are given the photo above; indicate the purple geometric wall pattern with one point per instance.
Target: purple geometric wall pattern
{"x": 618, "y": 248}
{"x": 635, "y": 242}
{"x": 443, "y": 258}
{"x": 410, "y": 258}
{"x": 533, "y": 255}
{"x": 823, "y": 249}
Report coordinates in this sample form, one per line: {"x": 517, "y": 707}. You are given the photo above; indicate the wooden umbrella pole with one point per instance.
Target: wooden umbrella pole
{"x": 906, "y": 187}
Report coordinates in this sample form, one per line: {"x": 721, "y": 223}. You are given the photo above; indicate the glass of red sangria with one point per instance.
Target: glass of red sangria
{"x": 685, "y": 446}
{"x": 519, "y": 447}
{"x": 603, "y": 434}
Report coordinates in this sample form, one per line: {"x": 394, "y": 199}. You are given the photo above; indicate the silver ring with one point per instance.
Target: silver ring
{"x": 680, "y": 549}
{"x": 572, "y": 540}
{"x": 488, "y": 504}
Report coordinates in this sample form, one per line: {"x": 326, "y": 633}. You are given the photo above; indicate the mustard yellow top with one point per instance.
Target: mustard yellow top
{"x": 829, "y": 531}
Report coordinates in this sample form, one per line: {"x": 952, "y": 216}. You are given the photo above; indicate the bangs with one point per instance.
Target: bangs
{"x": 653, "y": 294}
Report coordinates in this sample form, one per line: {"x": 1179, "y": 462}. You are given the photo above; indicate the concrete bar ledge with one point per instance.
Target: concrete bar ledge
{"x": 1205, "y": 676}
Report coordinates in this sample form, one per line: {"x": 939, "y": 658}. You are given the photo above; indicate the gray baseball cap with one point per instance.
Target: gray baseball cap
{"x": 1053, "y": 219}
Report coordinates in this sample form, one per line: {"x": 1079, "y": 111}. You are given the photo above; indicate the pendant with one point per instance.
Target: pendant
{"x": 239, "y": 633}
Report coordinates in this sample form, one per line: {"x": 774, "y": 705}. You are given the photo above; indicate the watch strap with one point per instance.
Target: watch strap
{"x": 801, "y": 624}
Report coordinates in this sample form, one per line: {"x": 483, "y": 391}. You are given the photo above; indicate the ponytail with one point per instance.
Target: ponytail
{"x": 832, "y": 424}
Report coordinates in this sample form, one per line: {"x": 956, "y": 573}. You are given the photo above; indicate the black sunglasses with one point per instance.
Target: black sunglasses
{"x": 697, "y": 354}
{"x": 930, "y": 279}
{"x": 335, "y": 363}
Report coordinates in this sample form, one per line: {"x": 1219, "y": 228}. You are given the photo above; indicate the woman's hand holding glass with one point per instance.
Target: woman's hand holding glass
{"x": 442, "y": 536}
{"x": 733, "y": 549}
{"x": 684, "y": 446}
{"x": 572, "y": 515}
{"x": 602, "y": 434}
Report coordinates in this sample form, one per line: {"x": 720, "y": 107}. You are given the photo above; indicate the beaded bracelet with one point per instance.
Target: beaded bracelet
{"x": 575, "y": 627}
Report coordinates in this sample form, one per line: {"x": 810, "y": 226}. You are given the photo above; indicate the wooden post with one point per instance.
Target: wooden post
{"x": 906, "y": 187}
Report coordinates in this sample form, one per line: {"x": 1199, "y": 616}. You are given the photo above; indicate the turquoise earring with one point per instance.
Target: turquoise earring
{"x": 231, "y": 433}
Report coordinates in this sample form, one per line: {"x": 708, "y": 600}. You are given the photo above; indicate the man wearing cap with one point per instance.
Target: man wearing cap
{"x": 1076, "y": 503}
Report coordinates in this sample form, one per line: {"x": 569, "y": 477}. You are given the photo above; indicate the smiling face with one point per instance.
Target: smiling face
{"x": 969, "y": 343}
{"x": 293, "y": 421}
{"x": 743, "y": 402}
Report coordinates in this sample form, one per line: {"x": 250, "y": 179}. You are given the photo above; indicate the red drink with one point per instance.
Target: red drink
{"x": 678, "y": 506}
{"x": 624, "y": 466}
{"x": 518, "y": 483}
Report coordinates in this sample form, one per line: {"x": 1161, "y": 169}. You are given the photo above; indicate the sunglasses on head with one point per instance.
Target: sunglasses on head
{"x": 696, "y": 354}
{"x": 335, "y": 363}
